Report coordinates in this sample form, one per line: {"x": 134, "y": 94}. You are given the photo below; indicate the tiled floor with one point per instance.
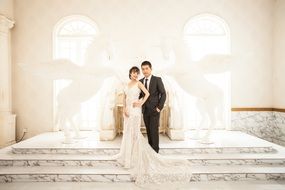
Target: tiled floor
{"x": 247, "y": 185}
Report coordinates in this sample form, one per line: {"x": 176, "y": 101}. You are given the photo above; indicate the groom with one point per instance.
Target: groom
{"x": 154, "y": 104}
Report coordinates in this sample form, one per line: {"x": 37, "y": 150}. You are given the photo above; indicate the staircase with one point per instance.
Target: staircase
{"x": 38, "y": 160}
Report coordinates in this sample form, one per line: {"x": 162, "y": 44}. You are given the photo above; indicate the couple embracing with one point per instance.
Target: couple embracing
{"x": 137, "y": 154}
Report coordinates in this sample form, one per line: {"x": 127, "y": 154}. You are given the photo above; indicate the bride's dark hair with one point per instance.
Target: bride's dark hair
{"x": 134, "y": 69}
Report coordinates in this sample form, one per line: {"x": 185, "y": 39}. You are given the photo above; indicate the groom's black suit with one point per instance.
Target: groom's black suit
{"x": 150, "y": 114}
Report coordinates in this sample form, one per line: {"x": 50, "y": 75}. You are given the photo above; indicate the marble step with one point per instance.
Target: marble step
{"x": 9, "y": 159}
{"x": 223, "y": 142}
{"x": 165, "y": 151}
{"x": 92, "y": 174}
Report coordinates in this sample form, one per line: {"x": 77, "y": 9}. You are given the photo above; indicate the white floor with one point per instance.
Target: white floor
{"x": 245, "y": 185}
{"x": 221, "y": 138}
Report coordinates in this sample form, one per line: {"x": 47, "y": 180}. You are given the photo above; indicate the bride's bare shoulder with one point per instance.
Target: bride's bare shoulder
{"x": 139, "y": 83}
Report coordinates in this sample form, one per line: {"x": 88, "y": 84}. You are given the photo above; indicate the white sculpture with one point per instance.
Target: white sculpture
{"x": 190, "y": 75}
{"x": 105, "y": 63}
{"x": 172, "y": 63}
{"x": 86, "y": 82}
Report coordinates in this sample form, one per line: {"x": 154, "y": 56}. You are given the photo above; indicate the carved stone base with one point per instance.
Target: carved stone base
{"x": 176, "y": 134}
{"x": 7, "y": 129}
{"x": 107, "y": 134}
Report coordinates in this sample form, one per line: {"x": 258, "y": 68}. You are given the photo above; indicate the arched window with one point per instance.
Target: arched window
{"x": 209, "y": 34}
{"x": 206, "y": 34}
{"x": 71, "y": 37}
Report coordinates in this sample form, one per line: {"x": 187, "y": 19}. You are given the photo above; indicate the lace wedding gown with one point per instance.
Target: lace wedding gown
{"x": 145, "y": 165}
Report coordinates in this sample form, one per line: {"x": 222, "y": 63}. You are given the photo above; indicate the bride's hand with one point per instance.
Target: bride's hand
{"x": 126, "y": 113}
{"x": 137, "y": 104}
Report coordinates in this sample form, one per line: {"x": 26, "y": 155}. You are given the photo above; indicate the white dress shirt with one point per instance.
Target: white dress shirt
{"x": 148, "y": 81}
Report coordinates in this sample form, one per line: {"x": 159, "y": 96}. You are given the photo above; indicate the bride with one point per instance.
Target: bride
{"x": 146, "y": 166}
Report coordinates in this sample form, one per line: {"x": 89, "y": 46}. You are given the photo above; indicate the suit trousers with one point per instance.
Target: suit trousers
{"x": 151, "y": 120}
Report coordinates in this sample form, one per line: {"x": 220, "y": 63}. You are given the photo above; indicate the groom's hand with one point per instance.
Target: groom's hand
{"x": 158, "y": 110}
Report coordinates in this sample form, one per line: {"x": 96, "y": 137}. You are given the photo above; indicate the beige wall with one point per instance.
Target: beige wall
{"x": 250, "y": 22}
{"x": 279, "y": 55}
{"x": 6, "y": 8}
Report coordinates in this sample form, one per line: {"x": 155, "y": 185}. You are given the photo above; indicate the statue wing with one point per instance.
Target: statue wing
{"x": 215, "y": 63}
{"x": 55, "y": 69}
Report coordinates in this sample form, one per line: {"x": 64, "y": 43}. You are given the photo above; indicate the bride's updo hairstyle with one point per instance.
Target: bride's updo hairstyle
{"x": 134, "y": 69}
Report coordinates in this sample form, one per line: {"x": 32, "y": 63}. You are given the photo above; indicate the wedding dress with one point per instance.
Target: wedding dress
{"x": 146, "y": 166}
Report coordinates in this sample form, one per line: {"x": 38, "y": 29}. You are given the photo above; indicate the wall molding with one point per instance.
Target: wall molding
{"x": 259, "y": 109}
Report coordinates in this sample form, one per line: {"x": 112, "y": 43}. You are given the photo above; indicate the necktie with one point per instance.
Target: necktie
{"x": 145, "y": 84}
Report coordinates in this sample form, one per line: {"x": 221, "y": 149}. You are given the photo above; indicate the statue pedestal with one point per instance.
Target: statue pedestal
{"x": 110, "y": 132}
{"x": 107, "y": 134}
{"x": 176, "y": 134}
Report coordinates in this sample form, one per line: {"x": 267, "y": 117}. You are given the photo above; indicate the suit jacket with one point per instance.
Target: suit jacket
{"x": 157, "y": 95}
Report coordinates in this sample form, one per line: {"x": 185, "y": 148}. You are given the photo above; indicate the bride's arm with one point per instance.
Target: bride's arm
{"x": 145, "y": 91}
{"x": 125, "y": 111}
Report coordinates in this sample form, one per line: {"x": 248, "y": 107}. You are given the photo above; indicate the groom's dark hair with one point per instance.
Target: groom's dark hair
{"x": 146, "y": 63}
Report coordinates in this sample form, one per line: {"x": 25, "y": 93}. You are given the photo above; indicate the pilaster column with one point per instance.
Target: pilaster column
{"x": 7, "y": 119}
